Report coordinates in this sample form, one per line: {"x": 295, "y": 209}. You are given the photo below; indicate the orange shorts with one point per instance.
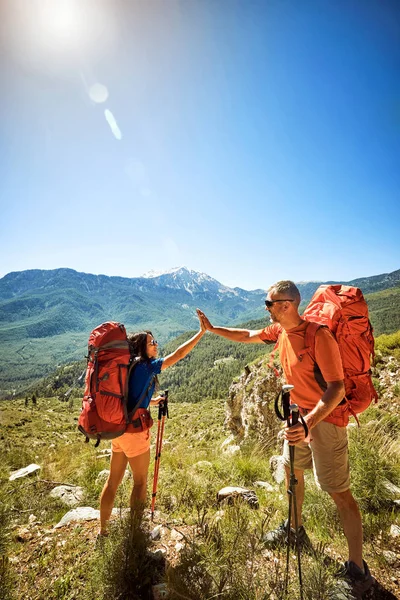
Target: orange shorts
{"x": 132, "y": 444}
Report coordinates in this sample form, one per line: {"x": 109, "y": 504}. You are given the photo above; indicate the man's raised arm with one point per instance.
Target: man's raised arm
{"x": 246, "y": 336}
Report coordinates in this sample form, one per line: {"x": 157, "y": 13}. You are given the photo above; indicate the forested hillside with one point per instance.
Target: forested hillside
{"x": 46, "y": 316}
{"x": 384, "y": 308}
{"x": 210, "y": 368}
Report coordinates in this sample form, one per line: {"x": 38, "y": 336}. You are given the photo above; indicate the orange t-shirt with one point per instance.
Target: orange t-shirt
{"x": 300, "y": 373}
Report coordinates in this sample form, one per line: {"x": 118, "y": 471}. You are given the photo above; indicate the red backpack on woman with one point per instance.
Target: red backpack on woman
{"x": 104, "y": 414}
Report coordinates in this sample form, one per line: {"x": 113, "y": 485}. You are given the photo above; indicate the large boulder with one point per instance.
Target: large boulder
{"x": 250, "y": 406}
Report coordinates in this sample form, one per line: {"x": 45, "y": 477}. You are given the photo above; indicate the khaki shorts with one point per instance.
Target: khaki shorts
{"x": 327, "y": 454}
{"x": 132, "y": 444}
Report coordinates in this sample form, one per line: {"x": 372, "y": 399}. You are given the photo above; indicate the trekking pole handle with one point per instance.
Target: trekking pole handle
{"x": 163, "y": 405}
{"x": 296, "y": 417}
{"x": 166, "y": 403}
{"x": 294, "y": 411}
{"x": 286, "y": 389}
{"x": 160, "y": 409}
{"x": 284, "y": 394}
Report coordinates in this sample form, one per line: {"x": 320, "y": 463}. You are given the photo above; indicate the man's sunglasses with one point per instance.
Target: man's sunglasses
{"x": 270, "y": 303}
{"x": 153, "y": 343}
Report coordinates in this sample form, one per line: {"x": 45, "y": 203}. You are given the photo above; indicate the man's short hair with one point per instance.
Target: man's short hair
{"x": 286, "y": 288}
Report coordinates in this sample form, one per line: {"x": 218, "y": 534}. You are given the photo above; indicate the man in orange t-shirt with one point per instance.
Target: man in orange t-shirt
{"x": 326, "y": 449}
{"x": 300, "y": 369}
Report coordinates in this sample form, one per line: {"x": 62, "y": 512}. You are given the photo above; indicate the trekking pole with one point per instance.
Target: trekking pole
{"x": 162, "y": 413}
{"x": 294, "y": 414}
{"x": 291, "y": 416}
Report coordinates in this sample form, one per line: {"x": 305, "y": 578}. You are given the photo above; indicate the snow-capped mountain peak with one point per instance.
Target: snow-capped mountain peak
{"x": 187, "y": 279}
{"x": 153, "y": 273}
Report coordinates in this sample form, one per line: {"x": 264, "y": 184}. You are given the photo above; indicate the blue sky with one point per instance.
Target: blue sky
{"x": 251, "y": 140}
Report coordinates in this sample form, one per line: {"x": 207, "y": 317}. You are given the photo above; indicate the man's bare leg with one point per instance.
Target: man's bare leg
{"x": 350, "y": 518}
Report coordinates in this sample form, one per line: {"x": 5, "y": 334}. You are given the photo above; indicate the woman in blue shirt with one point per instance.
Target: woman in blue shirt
{"x": 134, "y": 448}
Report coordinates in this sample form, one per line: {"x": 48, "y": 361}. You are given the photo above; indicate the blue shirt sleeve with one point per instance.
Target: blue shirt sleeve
{"x": 155, "y": 365}
{"x": 141, "y": 376}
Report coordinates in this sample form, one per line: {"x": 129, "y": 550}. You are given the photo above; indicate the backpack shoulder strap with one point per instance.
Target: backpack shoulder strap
{"x": 309, "y": 340}
{"x": 272, "y": 356}
{"x": 309, "y": 348}
{"x": 143, "y": 394}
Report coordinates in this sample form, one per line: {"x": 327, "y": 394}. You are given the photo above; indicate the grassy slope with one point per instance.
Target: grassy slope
{"x": 63, "y": 564}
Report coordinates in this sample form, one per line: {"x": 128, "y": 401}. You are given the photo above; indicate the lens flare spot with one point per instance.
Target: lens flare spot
{"x": 98, "y": 93}
{"x": 113, "y": 124}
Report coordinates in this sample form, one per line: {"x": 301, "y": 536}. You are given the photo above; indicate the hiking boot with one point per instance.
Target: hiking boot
{"x": 278, "y": 537}
{"x": 360, "y": 582}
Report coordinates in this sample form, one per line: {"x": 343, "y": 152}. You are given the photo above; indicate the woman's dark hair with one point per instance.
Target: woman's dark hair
{"x": 138, "y": 349}
{"x": 138, "y": 344}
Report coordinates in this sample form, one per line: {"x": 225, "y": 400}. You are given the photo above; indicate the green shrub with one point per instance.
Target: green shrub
{"x": 124, "y": 567}
{"x": 388, "y": 344}
{"x": 320, "y": 513}
{"x": 374, "y": 460}
{"x": 377, "y": 385}
{"x": 320, "y": 581}
{"x": 225, "y": 560}
{"x": 250, "y": 468}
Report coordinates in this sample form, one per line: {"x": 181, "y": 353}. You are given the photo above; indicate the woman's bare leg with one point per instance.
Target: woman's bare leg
{"x": 140, "y": 467}
{"x": 117, "y": 469}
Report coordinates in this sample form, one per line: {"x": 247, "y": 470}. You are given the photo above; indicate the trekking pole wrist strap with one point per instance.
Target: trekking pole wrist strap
{"x": 302, "y": 421}
{"x": 285, "y": 407}
{"x": 287, "y": 412}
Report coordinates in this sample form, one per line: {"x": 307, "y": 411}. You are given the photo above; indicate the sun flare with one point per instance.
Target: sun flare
{"x": 48, "y": 31}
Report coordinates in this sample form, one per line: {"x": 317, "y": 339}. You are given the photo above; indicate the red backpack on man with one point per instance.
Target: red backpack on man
{"x": 344, "y": 311}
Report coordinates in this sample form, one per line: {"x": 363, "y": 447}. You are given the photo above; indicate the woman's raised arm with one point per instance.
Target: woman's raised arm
{"x": 184, "y": 348}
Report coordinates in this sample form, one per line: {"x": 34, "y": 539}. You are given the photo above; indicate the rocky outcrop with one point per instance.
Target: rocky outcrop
{"x": 250, "y": 406}
{"x": 386, "y": 377}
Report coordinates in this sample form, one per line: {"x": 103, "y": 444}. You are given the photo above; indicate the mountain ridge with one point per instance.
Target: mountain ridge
{"x": 46, "y": 315}
{"x": 381, "y": 281}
